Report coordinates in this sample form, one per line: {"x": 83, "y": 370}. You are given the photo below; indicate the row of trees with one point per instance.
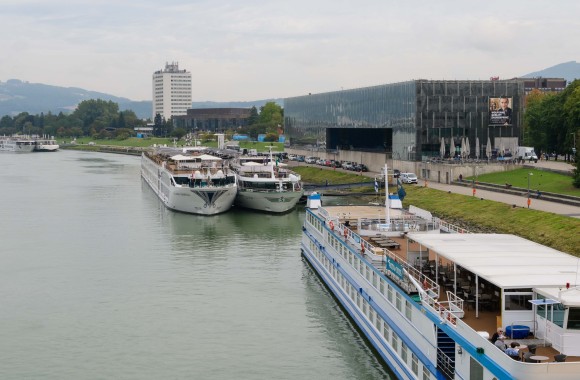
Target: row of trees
{"x": 552, "y": 120}
{"x": 552, "y": 123}
{"x": 102, "y": 119}
{"x": 96, "y": 118}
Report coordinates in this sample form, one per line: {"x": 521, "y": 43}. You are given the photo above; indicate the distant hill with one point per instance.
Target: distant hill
{"x": 568, "y": 70}
{"x": 18, "y": 96}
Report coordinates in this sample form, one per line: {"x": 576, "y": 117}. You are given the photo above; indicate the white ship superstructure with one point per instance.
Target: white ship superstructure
{"x": 429, "y": 301}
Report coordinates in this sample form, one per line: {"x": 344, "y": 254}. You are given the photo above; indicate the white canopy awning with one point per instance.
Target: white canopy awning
{"x": 207, "y": 157}
{"x": 252, "y": 163}
{"x": 507, "y": 261}
{"x": 181, "y": 157}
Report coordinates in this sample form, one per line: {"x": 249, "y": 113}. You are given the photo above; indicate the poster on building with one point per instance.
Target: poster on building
{"x": 500, "y": 111}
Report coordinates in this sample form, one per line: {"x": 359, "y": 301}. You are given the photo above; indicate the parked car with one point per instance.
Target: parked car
{"x": 361, "y": 168}
{"x": 310, "y": 160}
{"x": 321, "y": 162}
{"x": 300, "y": 158}
{"x": 292, "y": 157}
{"x": 408, "y": 178}
{"x": 347, "y": 165}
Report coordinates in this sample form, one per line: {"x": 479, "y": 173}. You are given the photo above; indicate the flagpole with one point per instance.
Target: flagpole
{"x": 387, "y": 196}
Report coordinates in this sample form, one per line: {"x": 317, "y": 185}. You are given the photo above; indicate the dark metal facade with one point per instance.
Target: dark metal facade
{"x": 213, "y": 119}
{"x": 407, "y": 119}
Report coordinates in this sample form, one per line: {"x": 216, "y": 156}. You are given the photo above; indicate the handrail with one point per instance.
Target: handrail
{"x": 424, "y": 280}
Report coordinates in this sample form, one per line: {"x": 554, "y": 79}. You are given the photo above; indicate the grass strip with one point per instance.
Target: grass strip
{"x": 552, "y": 230}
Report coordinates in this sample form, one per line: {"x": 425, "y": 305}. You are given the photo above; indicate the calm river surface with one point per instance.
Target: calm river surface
{"x": 99, "y": 281}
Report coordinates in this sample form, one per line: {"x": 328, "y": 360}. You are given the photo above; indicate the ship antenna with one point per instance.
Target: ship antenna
{"x": 387, "y": 197}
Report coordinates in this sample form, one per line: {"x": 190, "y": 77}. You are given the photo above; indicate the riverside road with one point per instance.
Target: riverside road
{"x": 517, "y": 200}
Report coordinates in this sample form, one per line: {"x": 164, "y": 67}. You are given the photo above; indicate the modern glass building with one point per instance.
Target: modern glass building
{"x": 408, "y": 120}
{"x": 213, "y": 119}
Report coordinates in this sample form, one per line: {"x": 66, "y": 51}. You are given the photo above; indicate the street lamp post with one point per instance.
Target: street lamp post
{"x": 529, "y": 174}
{"x": 474, "y": 180}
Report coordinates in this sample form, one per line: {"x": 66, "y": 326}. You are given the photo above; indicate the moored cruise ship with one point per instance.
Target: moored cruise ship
{"x": 190, "y": 181}
{"x": 428, "y": 301}
{"x": 266, "y": 185}
{"x": 16, "y": 144}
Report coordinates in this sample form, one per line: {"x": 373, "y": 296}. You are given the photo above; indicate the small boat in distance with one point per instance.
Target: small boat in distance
{"x": 190, "y": 180}
{"x": 265, "y": 184}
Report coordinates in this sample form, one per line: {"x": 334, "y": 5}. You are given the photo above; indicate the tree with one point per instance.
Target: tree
{"x": 553, "y": 120}
{"x": 157, "y": 125}
{"x": 96, "y": 114}
{"x": 121, "y": 121}
{"x": 272, "y": 137}
{"x": 572, "y": 111}
{"x": 178, "y": 133}
{"x": 271, "y": 114}
{"x": 254, "y": 116}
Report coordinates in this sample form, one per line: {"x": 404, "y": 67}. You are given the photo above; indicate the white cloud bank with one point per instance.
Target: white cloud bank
{"x": 249, "y": 50}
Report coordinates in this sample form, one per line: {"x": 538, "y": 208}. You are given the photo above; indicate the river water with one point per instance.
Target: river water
{"x": 99, "y": 281}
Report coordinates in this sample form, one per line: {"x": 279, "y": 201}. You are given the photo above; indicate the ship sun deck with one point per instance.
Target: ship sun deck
{"x": 488, "y": 287}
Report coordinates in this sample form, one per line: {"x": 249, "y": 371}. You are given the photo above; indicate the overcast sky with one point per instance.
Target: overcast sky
{"x": 249, "y": 50}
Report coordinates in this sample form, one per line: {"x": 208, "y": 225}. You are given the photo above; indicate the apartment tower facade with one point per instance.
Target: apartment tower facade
{"x": 171, "y": 91}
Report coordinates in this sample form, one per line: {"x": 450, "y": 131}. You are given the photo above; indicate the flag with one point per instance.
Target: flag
{"x": 400, "y": 191}
{"x": 376, "y": 186}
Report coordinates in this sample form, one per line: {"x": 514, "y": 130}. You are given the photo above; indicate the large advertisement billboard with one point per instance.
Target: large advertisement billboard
{"x": 500, "y": 111}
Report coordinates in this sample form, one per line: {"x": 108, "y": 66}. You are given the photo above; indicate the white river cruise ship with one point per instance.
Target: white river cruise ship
{"x": 189, "y": 180}
{"x": 429, "y": 297}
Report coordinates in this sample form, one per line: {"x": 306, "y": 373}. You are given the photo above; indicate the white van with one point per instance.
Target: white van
{"x": 408, "y": 178}
{"x": 526, "y": 153}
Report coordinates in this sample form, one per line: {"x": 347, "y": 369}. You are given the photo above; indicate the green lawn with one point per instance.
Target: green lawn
{"x": 137, "y": 142}
{"x": 319, "y": 175}
{"x": 553, "y": 230}
{"x": 539, "y": 180}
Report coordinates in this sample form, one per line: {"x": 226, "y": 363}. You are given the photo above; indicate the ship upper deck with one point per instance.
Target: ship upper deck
{"x": 478, "y": 270}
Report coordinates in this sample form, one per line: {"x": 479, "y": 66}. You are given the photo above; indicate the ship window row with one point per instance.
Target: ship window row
{"x": 370, "y": 275}
{"x": 314, "y": 221}
{"x": 374, "y": 318}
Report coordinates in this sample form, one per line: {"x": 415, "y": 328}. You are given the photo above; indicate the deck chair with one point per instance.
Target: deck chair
{"x": 532, "y": 348}
{"x": 560, "y": 358}
{"x": 527, "y": 357}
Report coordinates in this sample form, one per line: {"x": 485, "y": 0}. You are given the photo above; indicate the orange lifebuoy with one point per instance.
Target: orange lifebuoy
{"x": 331, "y": 225}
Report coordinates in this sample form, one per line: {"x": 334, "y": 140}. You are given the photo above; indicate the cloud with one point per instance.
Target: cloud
{"x": 248, "y": 50}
